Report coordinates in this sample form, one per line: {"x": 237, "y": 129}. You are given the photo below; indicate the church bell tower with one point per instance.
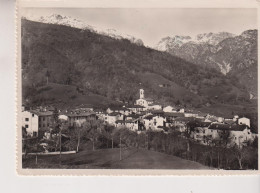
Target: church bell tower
{"x": 141, "y": 93}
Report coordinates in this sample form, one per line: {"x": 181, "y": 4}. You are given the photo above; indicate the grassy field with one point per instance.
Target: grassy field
{"x": 132, "y": 158}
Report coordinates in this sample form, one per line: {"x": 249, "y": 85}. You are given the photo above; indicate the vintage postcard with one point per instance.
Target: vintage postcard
{"x": 137, "y": 89}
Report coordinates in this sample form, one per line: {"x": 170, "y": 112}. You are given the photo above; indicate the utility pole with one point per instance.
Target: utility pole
{"x": 60, "y": 145}
{"x": 120, "y": 149}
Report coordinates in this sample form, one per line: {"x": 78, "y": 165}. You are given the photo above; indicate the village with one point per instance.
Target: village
{"x": 146, "y": 115}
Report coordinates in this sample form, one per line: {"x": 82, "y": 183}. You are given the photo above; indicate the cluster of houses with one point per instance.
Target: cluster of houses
{"x": 147, "y": 115}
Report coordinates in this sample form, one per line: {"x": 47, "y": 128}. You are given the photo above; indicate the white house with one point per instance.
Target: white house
{"x": 187, "y": 114}
{"x": 244, "y": 121}
{"x": 239, "y": 134}
{"x": 154, "y": 121}
{"x": 169, "y": 109}
{"x": 63, "y": 117}
{"x": 132, "y": 125}
{"x": 155, "y": 107}
{"x": 235, "y": 118}
{"x": 113, "y": 117}
{"x": 78, "y": 117}
{"x": 181, "y": 110}
{"x": 136, "y": 108}
{"x": 30, "y": 121}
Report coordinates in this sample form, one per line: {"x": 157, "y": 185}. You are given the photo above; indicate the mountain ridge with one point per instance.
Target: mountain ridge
{"x": 76, "y": 23}
{"x": 116, "y": 69}
{"x": 232, "y": 55}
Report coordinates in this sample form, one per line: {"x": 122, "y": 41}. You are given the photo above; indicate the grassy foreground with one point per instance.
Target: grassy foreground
{"x": 132, "y": 158}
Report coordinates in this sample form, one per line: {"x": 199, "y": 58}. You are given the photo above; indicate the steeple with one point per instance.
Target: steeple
{"x": 141, "y": 93}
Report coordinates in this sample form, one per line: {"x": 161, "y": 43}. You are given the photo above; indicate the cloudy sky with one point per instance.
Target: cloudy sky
{"x": 153, "y": 24}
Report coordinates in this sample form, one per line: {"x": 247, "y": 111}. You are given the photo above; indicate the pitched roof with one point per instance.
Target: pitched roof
{"x": 170, "y": 114}
{"x": 184, "y": 119}
{"x": 229, "y": 122}
{"x": 129, "y": 121}
{"x": 134, "y": 106}
{"x": 41, "y": 113}
{"x": 120, "y": 121}
{"x": 99, "y": 110}
{"x": 114, "y": 114}
{"x": 157, "y": 112}
{"x": 227, "y": 127}
{"x": 79, "y": 113}
{"x": 135, "y": 116}
{"x": 149, "y": 117}
{"x": 118, "y": 108}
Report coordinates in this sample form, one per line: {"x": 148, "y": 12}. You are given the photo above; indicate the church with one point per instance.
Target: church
{"x": 145, "y": 102}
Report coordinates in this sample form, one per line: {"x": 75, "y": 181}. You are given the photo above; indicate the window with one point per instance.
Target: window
{"x": 26, "y": 126}
{"x": 35, "y": 134}
{"x": 32, "y": 115}
{"x": 26, "y": 119}
{"x": 43, "y": 125}
{"x": 43, "y": 118}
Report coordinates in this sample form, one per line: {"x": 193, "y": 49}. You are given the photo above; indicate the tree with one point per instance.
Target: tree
{"x": 76, "y": 132}
{"x": 93, "y": 128}
{"x": 47, "y": 76}
{"x": 108, "y": 132}
{"x": 240, "y": 154}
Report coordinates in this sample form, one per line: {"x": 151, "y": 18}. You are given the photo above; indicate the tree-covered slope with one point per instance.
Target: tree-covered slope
{"x": 116, "y": 69}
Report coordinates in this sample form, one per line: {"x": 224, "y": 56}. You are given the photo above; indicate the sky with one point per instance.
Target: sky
{"x": 152, "y": 24}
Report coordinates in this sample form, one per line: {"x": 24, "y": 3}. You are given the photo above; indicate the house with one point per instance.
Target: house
{"x": 153, "y": 121}
{"x": 136, "y": 108}
{"x": 145, "y": 102}
{"x": 169, "y": 109}
{"x": 30, "y": 121}
{"x": 119, "y": 123}
{"x": 235, "y": 118}
{"x": 180, "y": 123}
{"x": 122, "y": 110}
{"x": 244, "y": 121}
{"x": 154, "y": 107}
{"x": 181, "y": 110}
{"x": 86, "y": 107}
{"x": 132, "y": 117}
{"x": 189, "y": 114}
{"x": 129, "y": 124}
{"x": 173, "y": 115}
{"x": 111, "y": 118}
{"x": 35, "y": 120}
{"x": 200, "y": 132}
{"x": 45, "y": 118}
{"x": 78, "y": 117}
{"x": 201, "y": 115}
{"x": 239, "y": 134}
{"x": 132, "y": 124}
{"x": 101, "y": 114}
{"x": 63, "y": 117}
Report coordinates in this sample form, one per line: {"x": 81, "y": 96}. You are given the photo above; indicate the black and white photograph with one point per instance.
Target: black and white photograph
{"x": 172, "y": 89}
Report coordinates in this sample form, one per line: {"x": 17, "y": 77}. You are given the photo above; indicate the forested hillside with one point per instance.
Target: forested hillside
{"x": 115, "y": 69}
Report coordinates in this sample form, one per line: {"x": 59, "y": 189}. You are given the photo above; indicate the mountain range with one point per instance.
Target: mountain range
{"x": 76, "y": 23}
{"x": 232, "y": 55}
{"x": 60, "y": 57}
